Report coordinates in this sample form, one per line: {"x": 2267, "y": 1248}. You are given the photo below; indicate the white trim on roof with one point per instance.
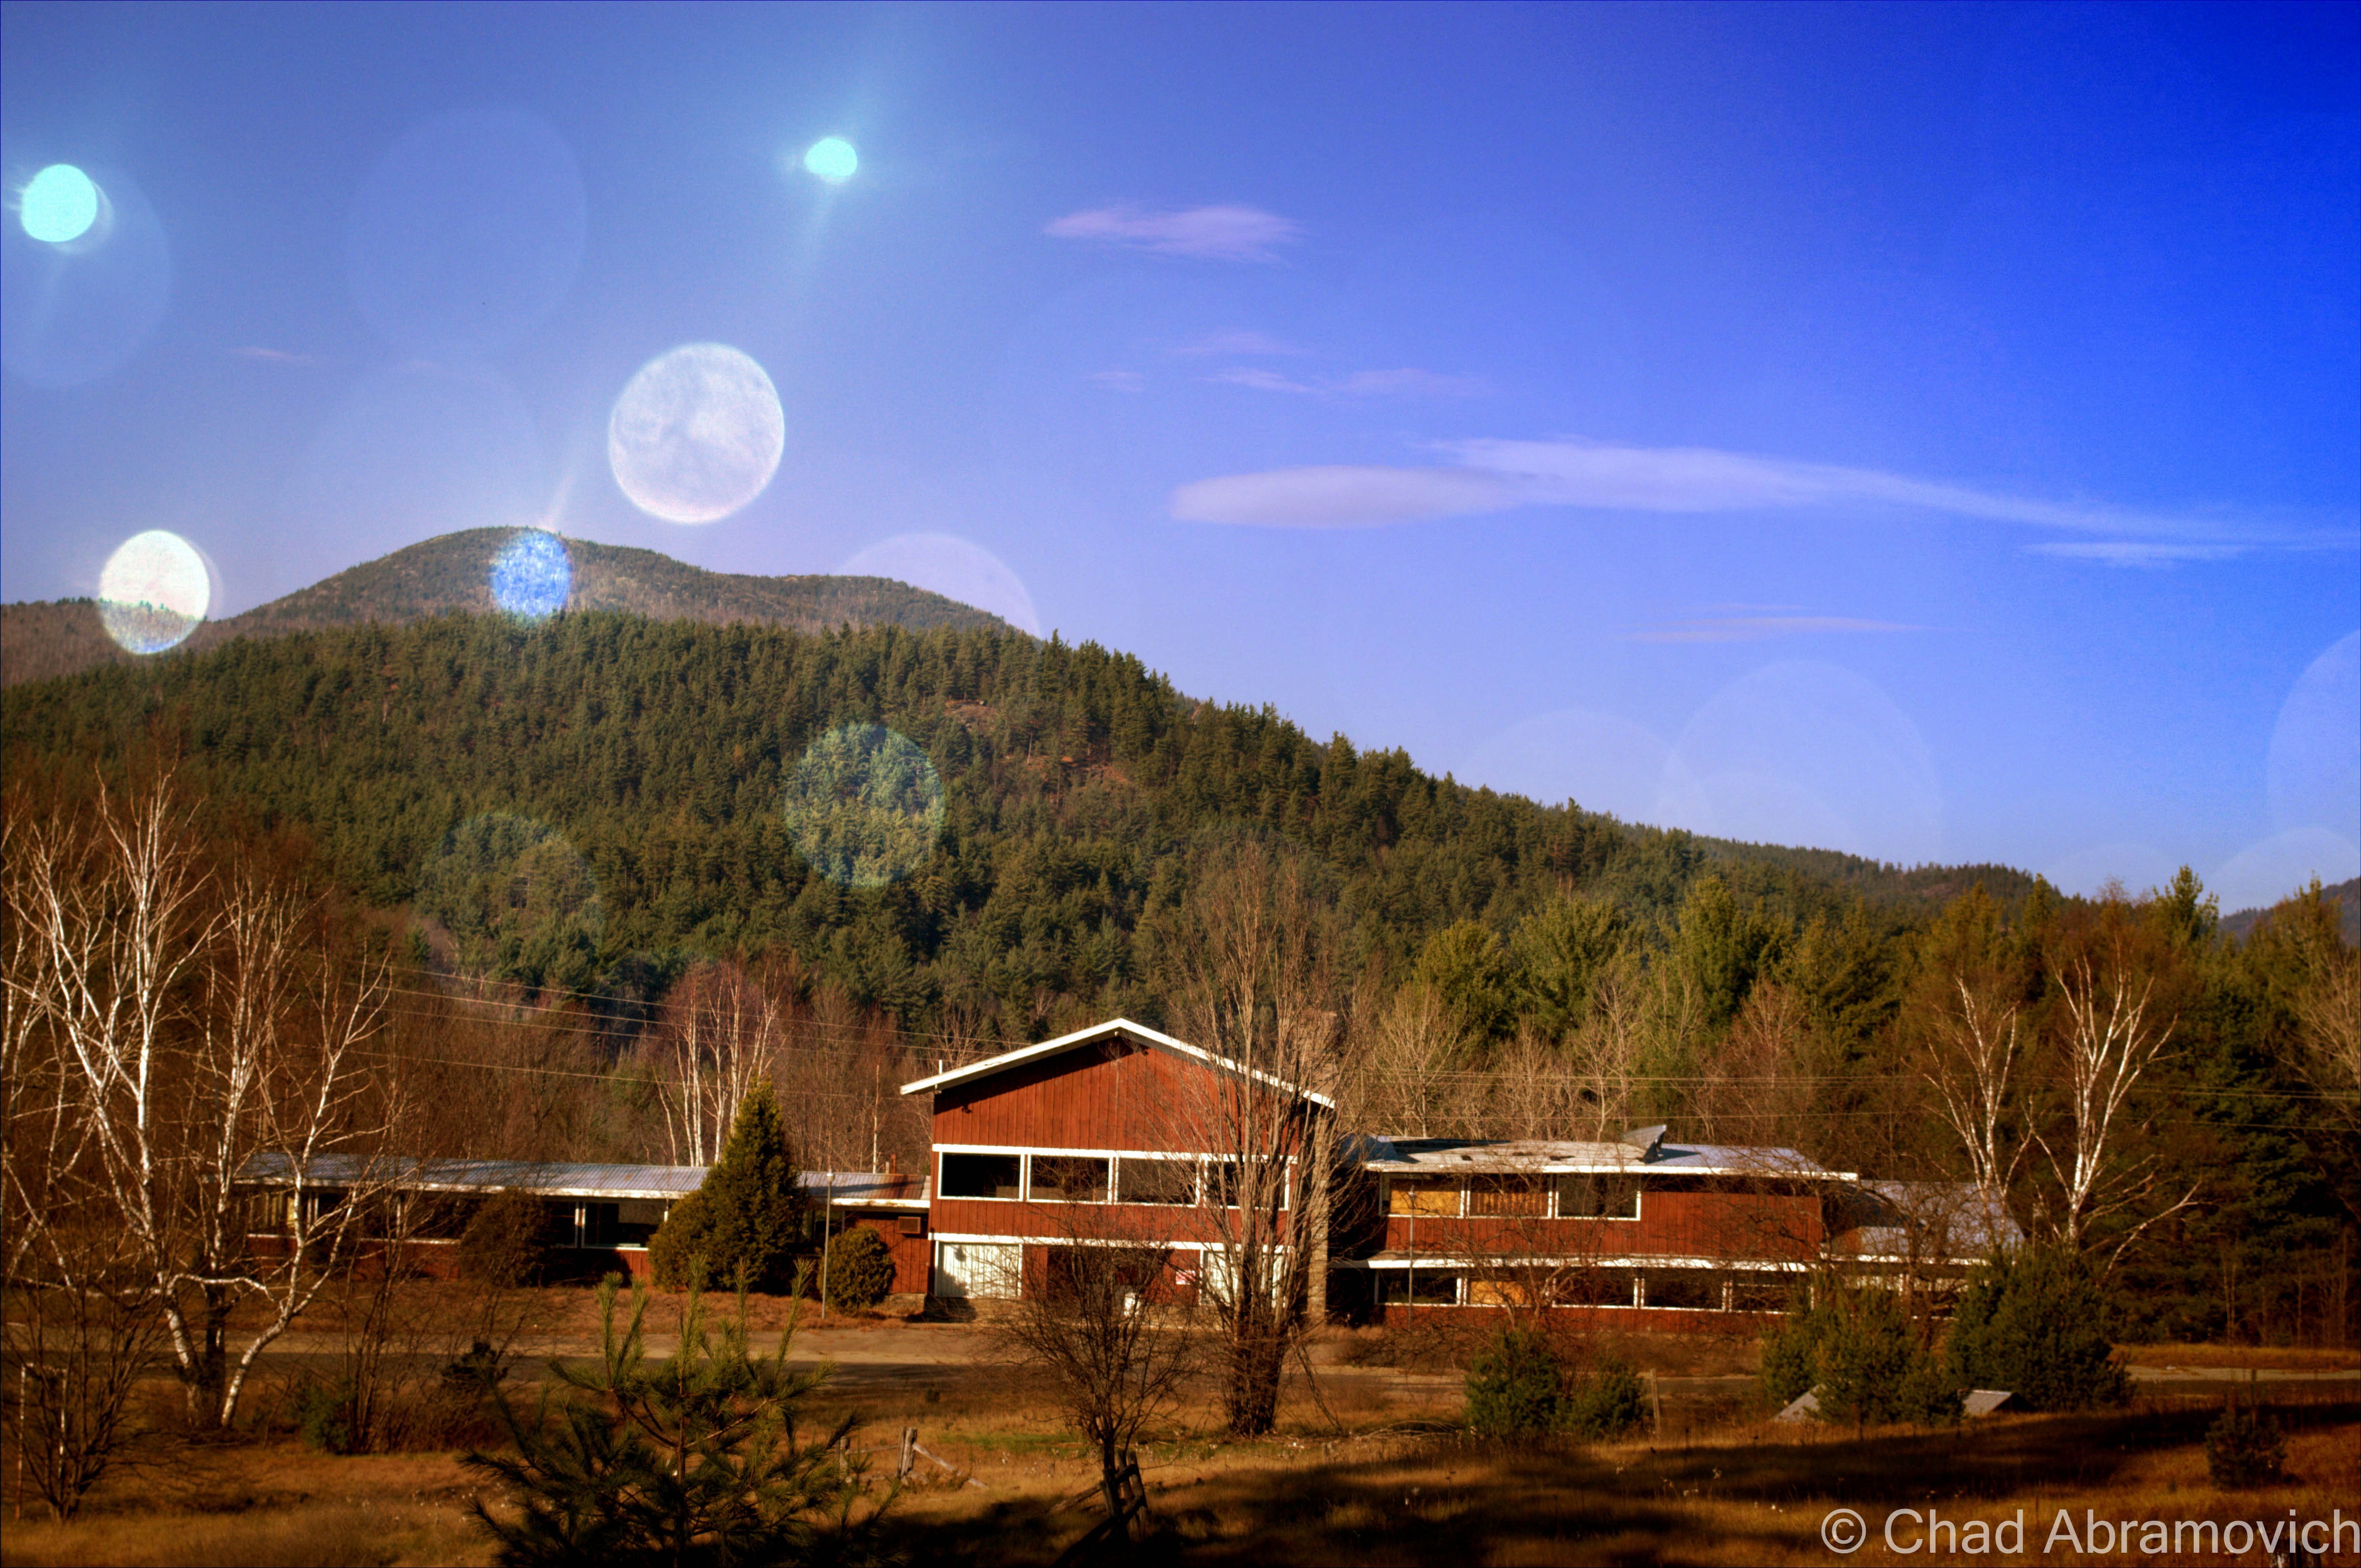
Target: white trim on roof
{"x": 1146, "y": 1036}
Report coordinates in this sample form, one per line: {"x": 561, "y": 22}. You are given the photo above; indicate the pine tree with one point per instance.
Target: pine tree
{"x": 693, "y": 1459}
{"x": 748, "y": 1216}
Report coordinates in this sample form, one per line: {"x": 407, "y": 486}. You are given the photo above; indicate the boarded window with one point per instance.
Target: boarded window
{"x": 1484, "y": 1292}
{"x": 1070, "y": 1178}
{"x": 1417, "y": 1287}
{"x": 1510, "y": 1195}
{"x": 1157, "y": 1181}
{"x": 1425, "y": 1195}
{"x": 1599, "y": 1197}
{"x": 982, "y": 1175}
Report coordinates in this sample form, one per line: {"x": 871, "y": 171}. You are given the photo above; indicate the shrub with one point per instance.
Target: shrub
{"x": 1791, "y": 1358}
{"x": 323, "y": 1415}
{"x": 1604, "y": 1402}
{"x": 860, "y": 1269}
{"x": 2245, "y": 1448}
{"x": 748, "y": 1216}
{"x": 2035, "y": 1325}
{"x": 1867, "y": 1355}
{"x": 1513, "y": 1385}
{"x": 1858, "y": 1350}
{"x": 507, "y": 1241}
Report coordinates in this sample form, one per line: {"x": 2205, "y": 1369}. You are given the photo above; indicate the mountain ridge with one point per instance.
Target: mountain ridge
{"x": 40, "y": 639}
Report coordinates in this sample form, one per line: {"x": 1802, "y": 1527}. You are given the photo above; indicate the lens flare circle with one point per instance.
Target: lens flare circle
{"x": 832, "y": 158}
{"x": 865, "y": 806}
{"x": 509, "y": 899}
{"x": 59, "y": 205}
{"x": 75, "y": 308}
{"x": 954, "y": 567}
{"x": 696, "y": 434}
{"x": 2313, "y": 769}
{"x": 533, "y": 576}
{"x": 154, "y": 590}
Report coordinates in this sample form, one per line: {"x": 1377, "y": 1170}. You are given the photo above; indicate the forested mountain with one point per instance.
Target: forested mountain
{"x": 453, "y": 572}
{"x": 1072, "y": 779}
{"x": 2346, "y": 895}
{"x": 969, "y": 837}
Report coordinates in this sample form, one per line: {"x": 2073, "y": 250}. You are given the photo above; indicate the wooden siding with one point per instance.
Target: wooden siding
{"x": 914, "y": 1257}
{"x": 1094, "y": 1222}
{"x": 1749, "y": 1226}
{"x": 1110, "y": 1094}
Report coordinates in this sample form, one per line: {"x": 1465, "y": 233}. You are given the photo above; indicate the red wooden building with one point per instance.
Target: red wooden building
{"x": 1116, "y": 1134}
{"x": 1105, "y": 1135}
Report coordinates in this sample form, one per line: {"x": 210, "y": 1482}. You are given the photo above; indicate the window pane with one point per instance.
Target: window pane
{"x": 1418, "y": 1287}
{"x": 1762, "y": 1292}
{"x": 1592, "y": 1287}
{"x": 1690, "y": 1288}
{"x": 981, "y": 1175}
{"x": 1599, "y": 1197}
{"x": 1070, "y": 1178}
{"x": 1157, "y": 1181}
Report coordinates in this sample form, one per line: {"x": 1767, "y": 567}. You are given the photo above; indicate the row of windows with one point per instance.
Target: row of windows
{"x": 1582, "y": 1197}
{"x": 1692, "y": 1289}
{"x": 433, "y": 1216}
{"x": 1093, "y": 1179}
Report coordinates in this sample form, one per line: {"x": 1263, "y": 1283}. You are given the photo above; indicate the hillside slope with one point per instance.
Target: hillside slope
{"x": 452, "y": 574}
{"x": 1074, "y": 783}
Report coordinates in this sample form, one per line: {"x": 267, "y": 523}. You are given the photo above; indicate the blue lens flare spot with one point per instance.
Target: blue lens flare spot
{"x": 533, "y": 574}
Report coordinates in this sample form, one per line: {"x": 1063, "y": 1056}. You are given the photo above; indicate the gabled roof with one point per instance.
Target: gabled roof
{"x": 1096, "y": 1032}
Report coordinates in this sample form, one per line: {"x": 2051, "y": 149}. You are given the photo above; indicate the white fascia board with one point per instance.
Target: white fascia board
{"x": 1632, "y": 1167}
{"x": 1156, "y": 1038}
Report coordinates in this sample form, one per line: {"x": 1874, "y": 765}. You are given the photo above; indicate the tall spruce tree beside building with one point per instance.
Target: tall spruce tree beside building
{"x": 749, "y": 1215}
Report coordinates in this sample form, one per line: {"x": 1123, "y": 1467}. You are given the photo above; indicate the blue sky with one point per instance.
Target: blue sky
{"x": 1930, "y": 431}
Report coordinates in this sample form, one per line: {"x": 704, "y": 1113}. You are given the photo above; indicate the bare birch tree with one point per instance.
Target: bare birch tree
{"x": 188, "y": 1034}
{"x": 2328, "y": 1035}
{"x": 1971, "y": 1053}
{"x": 719, "y": 1036}
{"x": 2111, "y": 1037}
{"x": 1249, "y": 976}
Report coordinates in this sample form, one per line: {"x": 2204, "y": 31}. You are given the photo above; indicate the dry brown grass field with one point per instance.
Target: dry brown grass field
{"x": 1380, "y": 1477}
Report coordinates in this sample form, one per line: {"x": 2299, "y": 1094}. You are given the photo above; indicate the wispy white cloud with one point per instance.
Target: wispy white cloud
{"x": 2137, "y": 551}
{"x": 1238, "y": 342}
{"x": 1341, "y": 497}
{"x": 1260, "y": 379}
{"x": 1404, "y": 383}
{"x": 1119, "y": 380}
{"x": 1693, "y": 479}
{"x": 279, "y": 356}
{"x": 1408, "y": 383}
{"x": 1754, "y": 627}
{"x": 1220, "y": 233}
